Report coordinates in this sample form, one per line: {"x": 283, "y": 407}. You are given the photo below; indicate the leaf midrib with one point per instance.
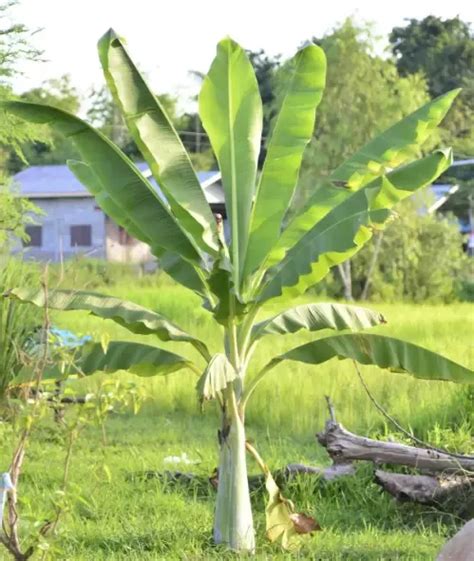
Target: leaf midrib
{"x": 286, "y": 262}
{"x": 262, "y": 175}
{"x": 235, "y": 226}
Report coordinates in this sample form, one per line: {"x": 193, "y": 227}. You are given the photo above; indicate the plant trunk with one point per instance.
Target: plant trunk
{"x": 233, "y": 524}
{"x": 346, "y": 277}
{"x": 373, "y": 263}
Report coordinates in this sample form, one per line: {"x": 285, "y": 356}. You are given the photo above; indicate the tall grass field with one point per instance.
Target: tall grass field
{"x": 291, "y": 398}
{"x": 120, "y": 515}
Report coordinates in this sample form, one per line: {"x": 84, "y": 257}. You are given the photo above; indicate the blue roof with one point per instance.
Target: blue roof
{"x": 440, "y": 190}
{"x": 58, "y": 181}
{"x": 51, "y": 179}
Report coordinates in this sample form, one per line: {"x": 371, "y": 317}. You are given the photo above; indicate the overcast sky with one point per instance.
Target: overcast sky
{"x": 167, "y": 38}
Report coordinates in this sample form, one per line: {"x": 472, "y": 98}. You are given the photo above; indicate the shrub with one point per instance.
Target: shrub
{"x": 16, "y": 322}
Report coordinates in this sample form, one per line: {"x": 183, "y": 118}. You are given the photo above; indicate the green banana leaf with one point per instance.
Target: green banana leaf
{"x": 158, "y": 141}
{"x": 218, "y": 375}
{"x": 90, "y": 180}
{"x": 127, "y": 187}
{"x": 395, "y": 145}
{"x": 292, "y": 131}
{"x": 137, "y": 358}
{"x": 381, "y": 351}
{"x": 184, "y": 273}
{"x": 342, "y": 231}
{"x": 333, "y": 240}
{"x": 315, "y": 317}
{"x": 231, "y": 111}
{"x": 405, "y": 180}
{"x": 178, "y": 269}
{"x": 133, "y": 317}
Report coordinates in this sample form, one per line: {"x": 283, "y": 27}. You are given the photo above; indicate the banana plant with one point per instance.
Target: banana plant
{"x": 270, "y": 256}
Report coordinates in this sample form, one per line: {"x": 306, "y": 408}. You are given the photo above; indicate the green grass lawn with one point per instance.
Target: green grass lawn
{"x": 121, "y": 516}
{"x": 124, "y": 517}
{"x": 291, "y": 397}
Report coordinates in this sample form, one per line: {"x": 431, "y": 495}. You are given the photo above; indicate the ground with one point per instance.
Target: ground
{"x": 122, "y": 516}
{"x": 118, "y": 515}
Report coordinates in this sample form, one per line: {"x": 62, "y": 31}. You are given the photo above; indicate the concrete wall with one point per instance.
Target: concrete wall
{"x": 60, "y": 215}
{"x": 133, "y": 252}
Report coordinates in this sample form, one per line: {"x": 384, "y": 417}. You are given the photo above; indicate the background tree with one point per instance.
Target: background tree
{"x": 15, "y": 213}
{"x": 59, "y": 91}
{"x": 57, "y": 149}
{"x": 444, "y": 51}
{"x": 15, "y": 47}
{"x": 106, "y": 117}
{"x": 364, "y": 94}
{"x": 409, "y": 264}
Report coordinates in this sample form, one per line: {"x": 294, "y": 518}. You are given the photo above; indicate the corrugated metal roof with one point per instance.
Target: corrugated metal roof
{"x": 48, "y": 180}
{"x": 441, "y": 189}
{"x": 467, "y": 162}
{"x": 57, "y": 181}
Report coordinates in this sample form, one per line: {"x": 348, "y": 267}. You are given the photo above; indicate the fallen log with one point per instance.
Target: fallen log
{"x": 451, "y": 493}
{"x": 344, "y": 446}
{"x": 424, "y": 489}
{"x": 255, "y": 481}
{"x": 328, "y": 474}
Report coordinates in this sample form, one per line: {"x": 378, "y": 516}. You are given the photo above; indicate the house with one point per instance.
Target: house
{"x": 73, "y": 224}
{"x": 458, "y": 180}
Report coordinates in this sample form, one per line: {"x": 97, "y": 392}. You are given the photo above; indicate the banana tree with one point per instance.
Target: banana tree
{"x": 269, "y": 256}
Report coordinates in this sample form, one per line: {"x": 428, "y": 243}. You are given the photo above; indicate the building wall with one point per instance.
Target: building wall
{"x": 122, "y": 249}
{"x": 107, "y": 242}
{"x": 59, "y": 216}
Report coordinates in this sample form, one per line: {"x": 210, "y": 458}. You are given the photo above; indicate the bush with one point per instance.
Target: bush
{"x": 420, "y": 259}
{"x": 466, "y": 290}
{"x": 89, "y": 274}
{"x": 17, "y": 321}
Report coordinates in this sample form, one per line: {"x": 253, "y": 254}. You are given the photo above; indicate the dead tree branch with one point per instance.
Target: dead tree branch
{"x": 343, "y": 445}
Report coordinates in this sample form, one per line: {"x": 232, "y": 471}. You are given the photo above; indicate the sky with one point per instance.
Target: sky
{"x": 169, "y": 38}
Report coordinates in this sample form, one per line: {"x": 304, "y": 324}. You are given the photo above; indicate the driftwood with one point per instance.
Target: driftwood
{"x": 328, "y": 474}
{"x": 447, "y": 480}
{"x": 344, "y": 446}
{"x": 425, "y": 489}
{"x": 255, "y": 481}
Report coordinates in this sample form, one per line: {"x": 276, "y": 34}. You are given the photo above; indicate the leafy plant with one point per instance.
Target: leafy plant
{"x": 399, "y": 266}
{"x": 17, "y": 323}
{"x": 31, "y": 528}
{"x": 268, "y": 258}
{"x": 15, "y": 214}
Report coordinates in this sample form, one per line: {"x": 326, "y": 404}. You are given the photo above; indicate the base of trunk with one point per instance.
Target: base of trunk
{"x": 233, "y": 524}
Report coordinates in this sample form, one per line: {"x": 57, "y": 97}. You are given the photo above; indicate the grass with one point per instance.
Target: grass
{"x": 119, "y": 516}
{"x": 129, "y": 518}
{"x": 293, "y": 387}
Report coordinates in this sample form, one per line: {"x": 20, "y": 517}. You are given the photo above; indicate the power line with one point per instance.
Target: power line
{"x": 122, "y": 128}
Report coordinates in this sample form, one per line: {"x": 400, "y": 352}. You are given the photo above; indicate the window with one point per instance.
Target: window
{"x": 124, "y": 237}
{"x": 35, "y": 235}
{"x": 81, "y": 236}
